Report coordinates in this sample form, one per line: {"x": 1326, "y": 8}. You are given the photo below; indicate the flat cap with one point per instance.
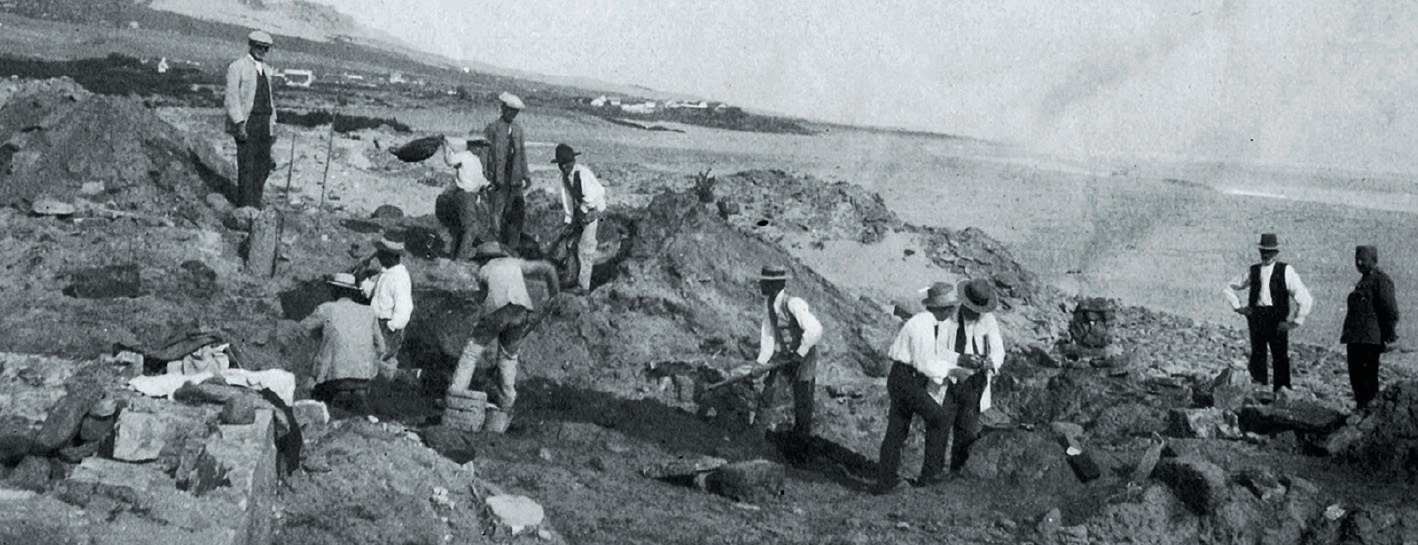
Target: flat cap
{"x": 259, "y": 37}
{"x": 511, "y": 100}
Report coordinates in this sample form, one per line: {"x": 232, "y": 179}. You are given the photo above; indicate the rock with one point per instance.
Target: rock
{"x": 241, "y": 219}
{"x": 219, "y": 203}
{"x": 52, "y": 207}
{"x": 97, "y": 428}
{"x": 456, "y": 445}
{"x": 545, "y": 454}
{"x": 198, "y": 278}
{"x": 90, "y": 189}
{"x": 1049, "y": 524}
{"x": 1199, "y": 484}
{"x": 1343, "y": 442}
{"x": 32, "y": 474}
{"x": 1262, "y": 482}
{"x": 684, "y": 466}
{"x": 1083, "y": 465}
{"x": 1209, "y": 423}
{"x": 238, "y": 411}
{"x": 263, "y": 244}
{"x": 1154, "y": 517}
{"x": 518, "y": 513}
{"x": 751, "y": 481}
{"x": 388, "y": 212}
{"x": 140, "y": 437}
{"x": 1068, "y": 434}
{"x": 14, "y": 447}
{"x": 309, "y": 412}
{"x": 105, "y": 282}
{"x": 1018, "y": 456}
{"x": 64, "y": 419}
{"x": 1300, "y": 416}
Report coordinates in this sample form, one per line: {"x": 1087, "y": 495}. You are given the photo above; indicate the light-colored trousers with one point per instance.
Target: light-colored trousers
{"x": 506, "y": 326}
{"x": 586, "y": 253}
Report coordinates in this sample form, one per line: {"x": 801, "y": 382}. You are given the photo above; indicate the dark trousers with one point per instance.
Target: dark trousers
{"x": 393, "y": 341}
{"x": 803, "y": 377}
{"x": 1364, "y": 371}
{"x": 963, "y": 399}
{"x": 1264, "y": 323}
{"x": 509, "y": 207}
{"x": 253, "y": 161}
{"x": 350, "y": 394}
{"x": 907, "y": 390}
{"x": 471, "y": 221}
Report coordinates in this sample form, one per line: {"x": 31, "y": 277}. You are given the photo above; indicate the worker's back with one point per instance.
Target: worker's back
{"x": 505, "y": 284}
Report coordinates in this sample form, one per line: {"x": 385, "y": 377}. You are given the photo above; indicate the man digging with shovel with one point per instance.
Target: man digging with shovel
{"x": 788, "y": 334}
{"x": 506, "y": 318}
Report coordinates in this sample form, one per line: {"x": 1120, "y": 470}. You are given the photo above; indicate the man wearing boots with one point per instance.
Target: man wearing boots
{"x": 1369, "y": 324}
{"x": 1270, "y": 285}
{"x": 790, "y": 332}
{"x": 507, "y": 309}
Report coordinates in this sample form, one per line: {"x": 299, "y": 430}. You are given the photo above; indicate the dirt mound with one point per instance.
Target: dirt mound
{"x": 57, "y": 138}
{"x": 1391, "y": 430}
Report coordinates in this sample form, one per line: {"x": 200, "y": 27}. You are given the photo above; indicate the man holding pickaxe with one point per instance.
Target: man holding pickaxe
{"x": 788, "y": 334}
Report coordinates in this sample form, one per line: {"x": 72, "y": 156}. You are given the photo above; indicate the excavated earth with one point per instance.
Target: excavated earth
{"x": 613, "y": 381}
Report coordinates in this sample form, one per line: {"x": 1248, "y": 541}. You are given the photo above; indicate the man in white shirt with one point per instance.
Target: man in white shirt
{"x": 1269, "y": 315}
{"x": 251, "y": 118}
{"x": 390, "y": 294}
{"x": 583, "y": 199}
{"x": 469, "y": 192}
{"x": 973, "y": 335}
{"x": 788, "y": 331}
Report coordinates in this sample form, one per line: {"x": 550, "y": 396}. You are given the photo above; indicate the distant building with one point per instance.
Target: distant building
{"x": 677, "y": 104}
{"x": 162, "y": 66}
{"x": 599, "y": 101}
{"x": 298, "y": 77}
{"x": 397, "y": 77}
{"x": 646, "y": 107}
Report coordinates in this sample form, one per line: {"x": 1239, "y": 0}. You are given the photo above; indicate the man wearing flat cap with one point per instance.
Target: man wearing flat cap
{"x": 506, "y": 168}
{"x": 251, "y": 118}
{"x": 1369, "y": 324}
{"x": 351, "y": 344}
{"x": 506, "y": 316}
{"x": 788, "y": 332}
{"x": 1270, "y": 285}
{"x": 390, "y": 293}
{"x": 583, "y": 199}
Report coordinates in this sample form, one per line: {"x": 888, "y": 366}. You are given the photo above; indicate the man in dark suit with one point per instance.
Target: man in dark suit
{"x": 1369, "y": 324}
{"x": 506, "y": 168}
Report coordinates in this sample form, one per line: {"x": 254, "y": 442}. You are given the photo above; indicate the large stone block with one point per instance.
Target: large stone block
{"x": 140, "y": 437}
{"x": 1208, "y": 423}
{"x": 1199, "y": 484}
{"x": 1018, "y": 456}
{"x": 1299, "y": 416}
{"x": 65, "y": 418}
{"x": 309, "y": 412}
{"x": 751, "y": 481}
{"x": 519, "y": 514}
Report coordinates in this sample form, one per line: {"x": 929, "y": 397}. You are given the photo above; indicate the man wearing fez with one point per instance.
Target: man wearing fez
{"x": 1270, "y": 286}
{"x": 1369, "y": 324}
{"x": 251, "y": 118}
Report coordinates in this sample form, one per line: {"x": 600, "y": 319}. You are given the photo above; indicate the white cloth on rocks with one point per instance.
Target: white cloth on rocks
{"x": 280, "y": 381}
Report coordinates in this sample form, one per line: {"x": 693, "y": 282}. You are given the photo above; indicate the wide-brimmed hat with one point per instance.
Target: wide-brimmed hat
{"x": 343, "y": 280}
{"x": 773, "y": 272}
{"x": 511, "y": 100}
{"x": 564, "y": 154}
{"x": 259, "y": 37}
{"x": 490, "y": 249}
{"x": 1268, "y": 241}
{"x": 978, "y": 294}
{"x": 384, "y": 243}
{"x": 940, "y": 295}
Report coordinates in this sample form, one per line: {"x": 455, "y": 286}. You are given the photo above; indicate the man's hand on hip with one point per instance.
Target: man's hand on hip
{"x": 1287, "y": 325}
{"x": 1244, "y": 311}
{"x": 241, "y": 132}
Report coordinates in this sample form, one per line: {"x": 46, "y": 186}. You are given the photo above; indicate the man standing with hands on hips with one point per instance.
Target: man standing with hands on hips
{"x": 1270, "y": 285}
{"x": 251, "y": 118}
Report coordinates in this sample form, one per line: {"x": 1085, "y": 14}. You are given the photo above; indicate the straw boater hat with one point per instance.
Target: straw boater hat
{"x": 1268, "y": 241}
{"x": 491, "y": 249}
{"x": 343, "y": 280}
{"x": 511, "y": 100}
{"x": 259, "y": 38}
{"x": 773, "y": 272}
{"x": 940, "y": 295}
{"x": 978, "y": 295}
{"x": 389, "y": 245}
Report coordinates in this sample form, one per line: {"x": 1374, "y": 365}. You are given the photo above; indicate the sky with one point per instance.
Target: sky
{"x": 1296, "y": 82}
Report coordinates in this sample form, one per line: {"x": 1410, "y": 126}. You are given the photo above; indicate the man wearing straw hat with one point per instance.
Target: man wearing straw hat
{"x": 976, "y": 351}
{"x": 921, "y": 363}
{"x": 788, "y": 331}
{"x": 390, "y": 294}
{"x": 1269, "y": 316}
{"x": 350, "y": 346}
{"x": 506, "y": 317}
{"x": 251, "y": 118}
{"x": 506, "y": 168}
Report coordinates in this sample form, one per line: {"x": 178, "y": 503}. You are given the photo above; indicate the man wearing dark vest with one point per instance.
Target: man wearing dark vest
{"x": 1369, "y": 324}
{"x": 506, "y": 168}
{"x": 251, "y": 118}
{"x": 1270, "y": 286}
{"x": 789, "y": 332}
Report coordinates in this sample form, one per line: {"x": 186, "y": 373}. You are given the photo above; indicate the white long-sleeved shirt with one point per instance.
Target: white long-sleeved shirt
{"x": 785, "y": 305}
{"x": 928, "y": 345}
{"x": 391, "y": 296}
{"x": 593, "y": 194}
{"x": 468, "y": 170}
{"x": 1298, "y": 291}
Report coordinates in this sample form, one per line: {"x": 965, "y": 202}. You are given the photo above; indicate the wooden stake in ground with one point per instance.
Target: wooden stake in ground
{"x": 275, "y": 246}
{"x": 329, "y": 158}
